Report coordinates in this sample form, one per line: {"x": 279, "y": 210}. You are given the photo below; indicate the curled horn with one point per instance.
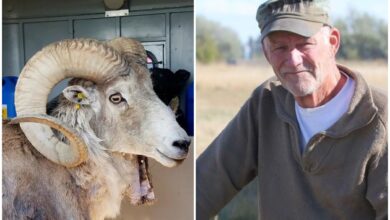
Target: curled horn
{"x": 80, "y": 58}
{"x": 131, "y": 50}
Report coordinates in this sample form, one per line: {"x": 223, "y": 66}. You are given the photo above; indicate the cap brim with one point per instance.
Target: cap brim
{"x": 301, "y": 27}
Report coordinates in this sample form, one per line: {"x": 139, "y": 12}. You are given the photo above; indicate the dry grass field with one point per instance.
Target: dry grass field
{"x": 221, "y": 89}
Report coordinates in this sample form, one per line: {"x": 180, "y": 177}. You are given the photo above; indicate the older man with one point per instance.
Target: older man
{"x": 316, "y": 135}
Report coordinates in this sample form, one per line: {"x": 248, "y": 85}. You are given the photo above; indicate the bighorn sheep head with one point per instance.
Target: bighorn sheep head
{"x": 128, "y": 115}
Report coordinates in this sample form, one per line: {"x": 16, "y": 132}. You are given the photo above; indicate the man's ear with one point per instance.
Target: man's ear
{"x": 78, "y": 95}
{"x": 334, "y": 40}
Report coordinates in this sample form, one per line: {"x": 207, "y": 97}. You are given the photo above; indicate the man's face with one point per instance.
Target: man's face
{"x": 302, "y": 64}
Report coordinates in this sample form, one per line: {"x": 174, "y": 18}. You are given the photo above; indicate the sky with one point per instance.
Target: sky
{"x": 240, "y": 15}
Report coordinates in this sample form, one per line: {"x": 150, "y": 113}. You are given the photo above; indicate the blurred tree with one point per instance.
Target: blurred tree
{"x": 206, "y": 49}
{"x": 255, "y": 48}
{"x": 362, "y": 36}
{"x": 214, "y": 42}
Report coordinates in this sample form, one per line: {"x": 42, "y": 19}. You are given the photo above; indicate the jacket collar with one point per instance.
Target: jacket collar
{"x": 361, "y": 111}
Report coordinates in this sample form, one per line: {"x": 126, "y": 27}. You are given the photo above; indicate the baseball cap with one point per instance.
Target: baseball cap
{"x": 302, "y": 17}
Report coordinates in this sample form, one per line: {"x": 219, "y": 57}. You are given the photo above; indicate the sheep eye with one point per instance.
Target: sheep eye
{"x": 116, "y": 98}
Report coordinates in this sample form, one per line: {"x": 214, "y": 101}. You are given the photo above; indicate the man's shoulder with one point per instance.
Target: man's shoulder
{"x": 271, "y": 86}
{"x": 379, "y": 97}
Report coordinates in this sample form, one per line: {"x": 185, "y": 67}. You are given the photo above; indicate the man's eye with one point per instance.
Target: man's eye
{"x": 116, "y": 98}
{"x": 279, "y": 48}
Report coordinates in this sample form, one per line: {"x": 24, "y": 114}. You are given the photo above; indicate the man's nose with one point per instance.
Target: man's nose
{"x": 294, "y": 57}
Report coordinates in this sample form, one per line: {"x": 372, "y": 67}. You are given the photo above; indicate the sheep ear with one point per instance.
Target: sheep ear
{"x": 174, "y": 104}
{"x": 78, "y": 95}
{"x": 182, "y": 75}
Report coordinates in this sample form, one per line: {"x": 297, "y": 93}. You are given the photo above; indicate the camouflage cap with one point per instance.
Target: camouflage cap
{"x": 303, "y": 17}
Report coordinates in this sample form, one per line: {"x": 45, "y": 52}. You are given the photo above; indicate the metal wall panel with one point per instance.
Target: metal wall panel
{"x": 168, "y": 35}
{"x": 182, "y": 41}
{"x": 11, "y": 50}
{"x": 182, "y": 46}
{"x": 143, "y": 26}
{"x": 101, "y": 29}
{"x": 40, "y": 34}
{"x": 47, "y": 8}
{"x": 16, "y": 9}
{"x": 37, "y": 35}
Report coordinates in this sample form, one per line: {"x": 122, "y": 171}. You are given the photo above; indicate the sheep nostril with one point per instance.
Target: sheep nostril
{"x": 183, "y": 145}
